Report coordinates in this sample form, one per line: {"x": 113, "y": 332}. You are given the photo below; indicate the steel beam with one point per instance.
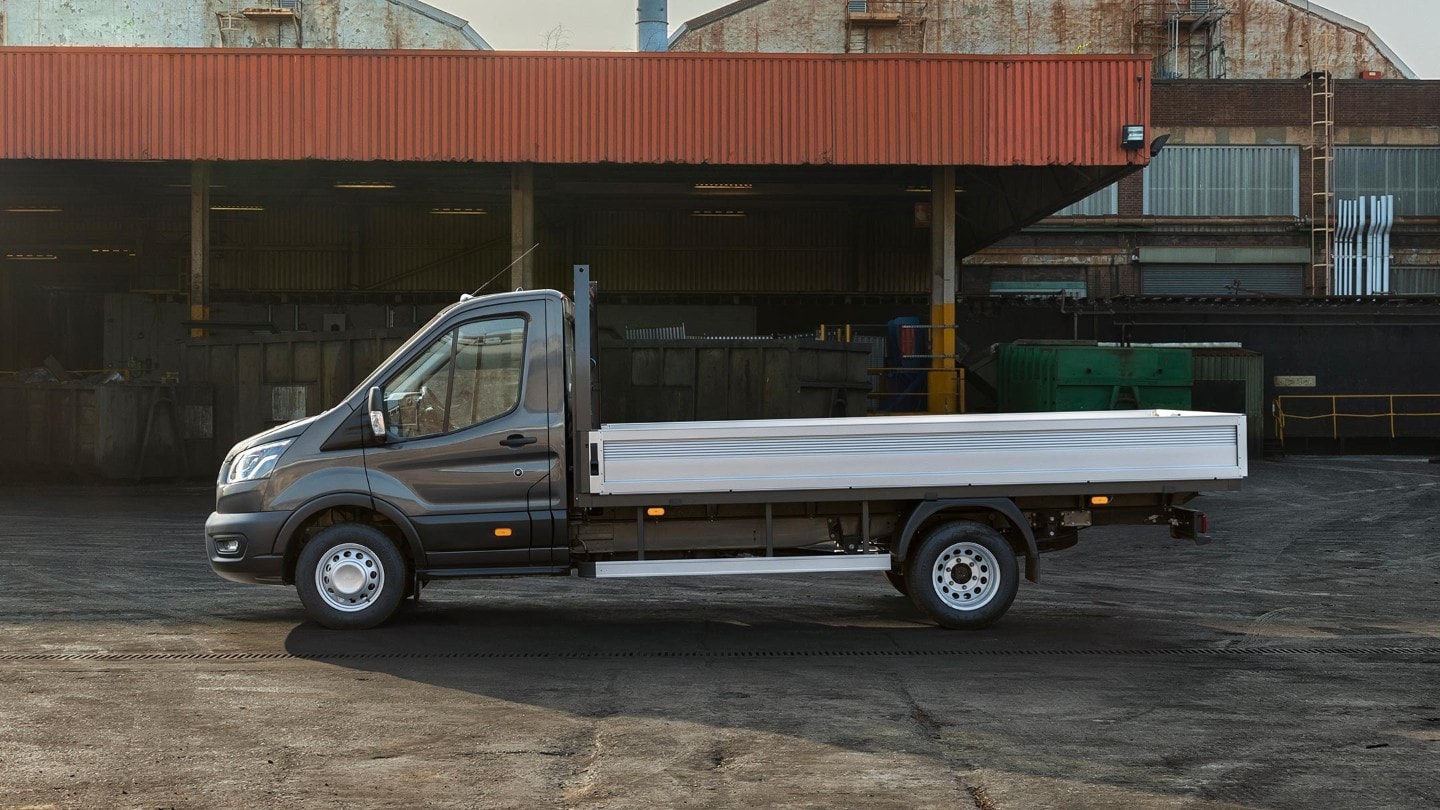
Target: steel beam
{"x": 522, "y": 225}
{"x": 199, "y": 244}
{"x": 944, "y": 282}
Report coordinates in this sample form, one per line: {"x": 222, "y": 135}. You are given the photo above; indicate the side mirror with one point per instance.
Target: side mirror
{"x": 376, "y": 406}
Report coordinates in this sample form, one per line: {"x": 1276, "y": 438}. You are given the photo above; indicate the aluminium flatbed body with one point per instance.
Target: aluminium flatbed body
{"x": 917, "y": 456}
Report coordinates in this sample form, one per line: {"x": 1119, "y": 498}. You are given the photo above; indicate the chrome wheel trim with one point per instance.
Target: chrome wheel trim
{"x": 349, "y": 578}
{"x": 966, "y": 576}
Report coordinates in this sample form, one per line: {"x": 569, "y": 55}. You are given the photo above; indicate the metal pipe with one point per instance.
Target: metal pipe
{"x": 653, "y": 26}
{"x": 1341, "y": 249}
{"x": 1389, "y": 220}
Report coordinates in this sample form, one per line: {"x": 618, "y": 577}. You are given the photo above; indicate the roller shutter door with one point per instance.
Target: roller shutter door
{"x": 1222, "y": 279}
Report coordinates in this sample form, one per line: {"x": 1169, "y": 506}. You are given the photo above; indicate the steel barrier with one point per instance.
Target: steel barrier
{"x": 1385, "y": 409}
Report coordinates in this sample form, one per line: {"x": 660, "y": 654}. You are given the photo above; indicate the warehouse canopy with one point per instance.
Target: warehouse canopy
{"x": 748, "y": 109}
{"x": 1029, "y": 134}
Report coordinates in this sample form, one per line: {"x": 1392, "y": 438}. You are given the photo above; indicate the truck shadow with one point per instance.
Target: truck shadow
{"x": 871, "y": 678}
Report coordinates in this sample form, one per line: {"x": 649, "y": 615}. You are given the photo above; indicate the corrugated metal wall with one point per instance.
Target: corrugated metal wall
{"x": 1411, "y": 173}
{"x": 315, "y": 248}
{"x": 750, "y": 109}
{"x": 1221, "y": 280}
{"x": 802, "y": 249}
{"x": 1105, "y": 202}
{"x": 246, "y": 372}
{"x": 1193, "y": 181}
{"x": 777, "y": 250}
{"x": 1415, "y": 280}
{"x": 1237, "y": 364}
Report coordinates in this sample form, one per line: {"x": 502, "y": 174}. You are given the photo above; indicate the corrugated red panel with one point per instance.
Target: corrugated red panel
{"x": 736, "y": 109}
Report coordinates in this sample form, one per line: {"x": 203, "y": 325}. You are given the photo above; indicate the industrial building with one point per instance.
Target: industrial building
{"x": 155, "y": 226}
{"x": 248, "y": 229}
{"x": 388, "y": 24}
{"x": 1275, "y": 112}
{"x": 1293, "y": 207}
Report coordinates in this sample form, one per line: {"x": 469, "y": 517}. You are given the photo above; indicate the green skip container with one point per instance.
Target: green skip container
{"x": 1037, "y": 376}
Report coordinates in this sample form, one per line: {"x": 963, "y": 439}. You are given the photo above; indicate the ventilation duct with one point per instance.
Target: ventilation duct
{"x": 653, "y": 33}
{"x": 1362, "y": 245}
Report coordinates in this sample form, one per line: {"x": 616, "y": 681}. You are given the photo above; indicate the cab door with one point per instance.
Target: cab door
{"x": 468, "y": 444}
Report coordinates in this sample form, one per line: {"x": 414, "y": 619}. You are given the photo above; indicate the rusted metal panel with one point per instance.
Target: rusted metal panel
{"x": 261, "y": 380}
{"x": 263, "y": 24}
{"x": 1263, "y": 39}
{"x": 781, "y": 109}
{"x": 113, "y": 431}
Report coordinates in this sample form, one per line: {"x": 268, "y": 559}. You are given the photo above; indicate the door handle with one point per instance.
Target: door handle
{"x": 518, "y": 441}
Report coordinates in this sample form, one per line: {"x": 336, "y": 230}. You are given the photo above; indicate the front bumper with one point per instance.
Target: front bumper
{"x": 256, "y": 532}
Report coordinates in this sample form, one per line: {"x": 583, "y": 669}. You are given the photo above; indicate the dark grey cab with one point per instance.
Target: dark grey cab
{"x": 449, "y": 460}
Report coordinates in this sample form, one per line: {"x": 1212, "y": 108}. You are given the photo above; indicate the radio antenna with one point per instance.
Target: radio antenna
{"x": 518, "y": 259}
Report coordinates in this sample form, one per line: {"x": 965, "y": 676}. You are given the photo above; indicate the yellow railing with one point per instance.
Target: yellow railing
{"x": 944, "y": 361}
{"x": 1385, "y": 408}
{"x": 933, "y": 373}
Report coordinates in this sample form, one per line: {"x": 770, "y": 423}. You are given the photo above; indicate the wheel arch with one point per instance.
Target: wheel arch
{"x": 303, "y": 517}
{"x": 926, "y": 512}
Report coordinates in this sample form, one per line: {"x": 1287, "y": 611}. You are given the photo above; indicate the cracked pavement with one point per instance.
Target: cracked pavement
{"x": 1292, "y": 662}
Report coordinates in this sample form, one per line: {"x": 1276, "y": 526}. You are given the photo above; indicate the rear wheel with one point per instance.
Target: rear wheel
{"x": 351, "y": 576}
{"x": 963, "y": 575}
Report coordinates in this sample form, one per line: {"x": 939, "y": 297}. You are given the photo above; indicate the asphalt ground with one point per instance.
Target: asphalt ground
{"x": 1292, "y": 662}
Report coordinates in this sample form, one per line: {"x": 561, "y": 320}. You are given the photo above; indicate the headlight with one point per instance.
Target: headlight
{"x": 257, "y": 462}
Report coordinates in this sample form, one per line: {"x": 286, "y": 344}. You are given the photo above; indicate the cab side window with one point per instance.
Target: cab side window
{"x": 470, "y": 375}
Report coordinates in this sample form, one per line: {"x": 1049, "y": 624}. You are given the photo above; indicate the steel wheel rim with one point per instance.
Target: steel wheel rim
{"x": 349, "y": 578}
{"x": 966, "y": 576}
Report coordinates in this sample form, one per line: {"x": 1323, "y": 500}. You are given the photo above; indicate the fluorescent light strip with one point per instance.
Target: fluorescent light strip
{"x": 32, "y": 209}
{"x": 724, "y": 186}
{"x": 32, "y": 257}
{"x": 365, "y": 184}
{"x": 237, "y": 208}
{"x": 724, "y": 214}
{"x": 473, "y": 212}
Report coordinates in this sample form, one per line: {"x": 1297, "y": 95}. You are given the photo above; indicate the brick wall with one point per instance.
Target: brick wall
{"x": 1275, "y": 103}
{"x": 1387, "y": 103}
{"x": 1230, "y": 103}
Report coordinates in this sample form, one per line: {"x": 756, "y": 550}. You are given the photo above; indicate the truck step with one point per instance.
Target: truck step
{"x": 837, "y": 563}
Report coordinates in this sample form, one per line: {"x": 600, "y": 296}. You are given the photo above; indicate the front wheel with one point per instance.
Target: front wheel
{"x": 350, "y": 577}
{"x": 963, "y": 575}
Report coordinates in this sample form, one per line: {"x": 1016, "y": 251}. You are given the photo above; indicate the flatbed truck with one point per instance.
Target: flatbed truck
{"x": 476, "y": 450}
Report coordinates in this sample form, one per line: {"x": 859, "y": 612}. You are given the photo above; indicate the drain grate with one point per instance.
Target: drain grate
{"x": 1233, "y": 652}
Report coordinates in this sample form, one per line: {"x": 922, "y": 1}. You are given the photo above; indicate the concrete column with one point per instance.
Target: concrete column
{"x": 522, "y": 225}
{"x": 9, "y": 320}
{"x": 199, "y": 245}
{"x": 944, "y": 281}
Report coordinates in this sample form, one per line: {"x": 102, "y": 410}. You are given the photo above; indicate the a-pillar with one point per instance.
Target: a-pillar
{"x": 522, "y": 226}
{"x": 944, "y": 381}
{"x": 199, "y": 245}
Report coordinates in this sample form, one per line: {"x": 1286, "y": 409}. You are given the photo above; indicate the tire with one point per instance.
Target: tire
{"x": 963, "y": 575}
{"x": 897, "y": 581}
{"x": 351, "y": 577}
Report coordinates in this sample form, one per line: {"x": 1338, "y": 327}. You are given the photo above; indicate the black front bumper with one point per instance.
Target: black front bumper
{"x": 254, "y": 562}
